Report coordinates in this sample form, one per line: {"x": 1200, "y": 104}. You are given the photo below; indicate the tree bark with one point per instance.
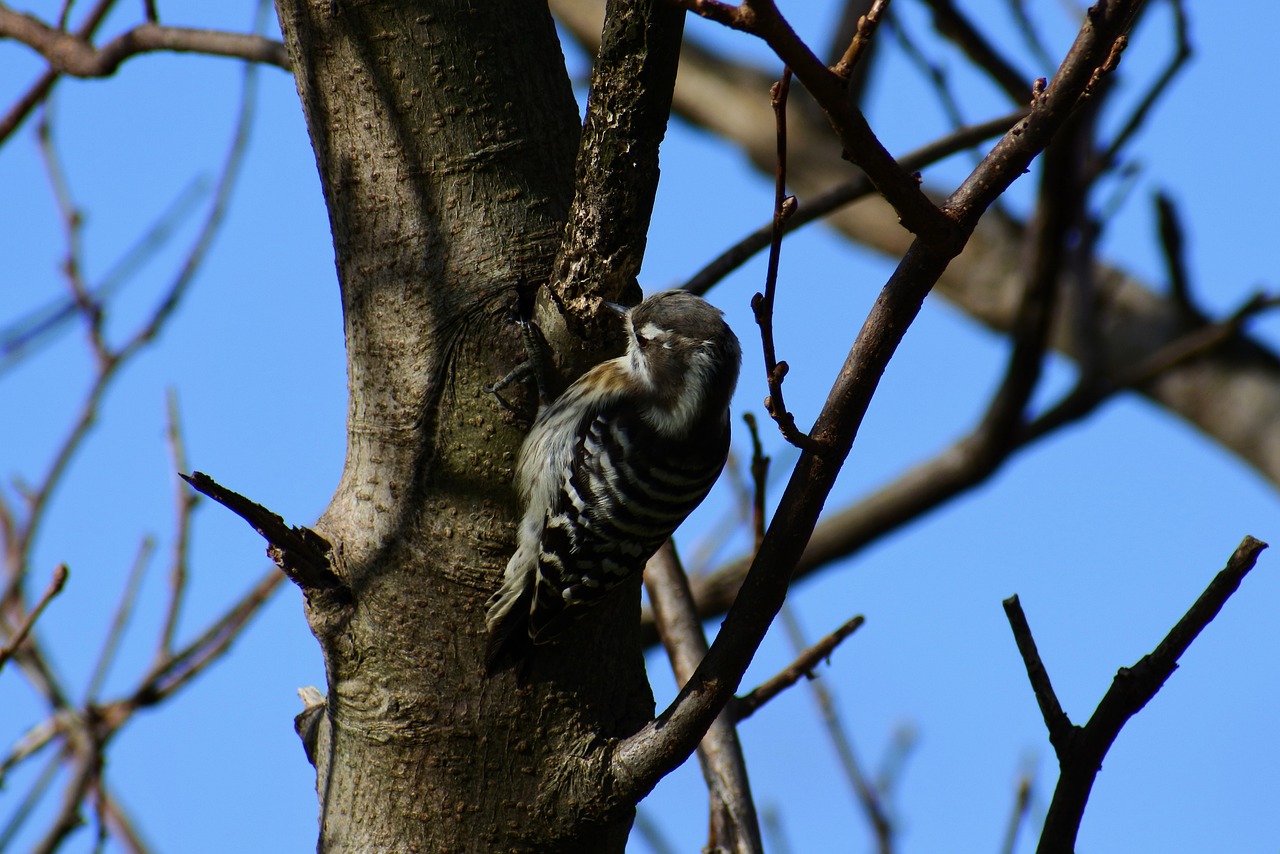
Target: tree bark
{"x": 445, "y": 136}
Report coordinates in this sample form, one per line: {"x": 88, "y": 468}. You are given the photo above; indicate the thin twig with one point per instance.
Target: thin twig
{"x": 185, "y": 502}
{"x": 803, "y": 666}
{"x": 953, "y": 25}
{"x": 1060, "y": 728}
{"x": 30, "y": 800}
{"x": 1018, "y": 815}
{"x": 762, "y": 304}
{"x": 1182, "y": 54}
{"x": 119, "y": 620}
{"x": 19, "y": 635}
{"x": 1173, "y": 249}
{"x": 865, "y": 794}
{"x": 861, "y": 40}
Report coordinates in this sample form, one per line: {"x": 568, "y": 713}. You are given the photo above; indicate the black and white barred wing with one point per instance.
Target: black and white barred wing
{"x": 627, "y": 491}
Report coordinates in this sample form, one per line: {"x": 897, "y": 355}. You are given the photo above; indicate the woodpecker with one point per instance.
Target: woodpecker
{"x": 613, "y": 465}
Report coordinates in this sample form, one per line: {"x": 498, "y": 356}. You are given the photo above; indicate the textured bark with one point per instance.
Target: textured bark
{"x": 445, "y": 136}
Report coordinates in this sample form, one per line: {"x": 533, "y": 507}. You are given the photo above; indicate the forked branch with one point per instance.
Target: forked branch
{"x": 1081, "y": 749}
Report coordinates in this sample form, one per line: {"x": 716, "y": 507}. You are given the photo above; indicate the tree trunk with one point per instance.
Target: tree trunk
{"x": 445, "y": 135}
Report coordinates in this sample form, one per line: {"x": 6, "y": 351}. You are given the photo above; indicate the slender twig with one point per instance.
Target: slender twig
{"x": 1018, "y": 815}
{"x": 1018, "y": 10}
{"x": 953, "y": 25}
{"x": 124, "y": 829}
{"x": 759, "y": 479}
{"x": 119, "y": 620}
{"x": 185, "y": 502}
{"x": 762, "y": 304}
{"x": 19, "y": 634}
{"x": 865, "y": 794}
{"x": 802, "y": 668}
{"x": 75, "y": 56}
{"x": 30, "y": 800}
{"x": 651, "y": 832}
{"x": 861, "y": 40}
{"x": 935, "y": 74}
{"x": 1173, "y": 249}
{"x": 1159, "y": 87}
{"x": 1060, "y": 728}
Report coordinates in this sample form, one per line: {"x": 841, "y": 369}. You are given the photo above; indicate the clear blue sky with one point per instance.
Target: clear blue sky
{"x": 1108, "y": 531}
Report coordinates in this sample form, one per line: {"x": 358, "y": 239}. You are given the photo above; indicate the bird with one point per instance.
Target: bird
{"x": 612, "y": 466}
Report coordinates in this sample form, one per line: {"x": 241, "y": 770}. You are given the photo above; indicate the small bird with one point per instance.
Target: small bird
{"x": 612, "y": 467}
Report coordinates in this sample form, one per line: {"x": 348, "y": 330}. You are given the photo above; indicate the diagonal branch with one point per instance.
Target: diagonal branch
{"x": 300, "y": 552}
{"x": 639, "y": 761}
{"x": 19, "y": 634}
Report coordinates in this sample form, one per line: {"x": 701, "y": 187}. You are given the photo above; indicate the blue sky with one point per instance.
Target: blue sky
{"x": 1107, "y": 531}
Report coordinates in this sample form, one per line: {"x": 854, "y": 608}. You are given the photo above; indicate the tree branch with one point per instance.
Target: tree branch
{"x": 302, "y": 554}
{"x": 918, "y": 214}
{"x": 20, "y": 633}
{"x": 1081, "y": 750}
{"x": 73, "y": 54}
{"x": 642, "y": 759}
{"x": 617, "y": 164}
{"x": 804, "y": 665}
{"x": 734, "y": 825}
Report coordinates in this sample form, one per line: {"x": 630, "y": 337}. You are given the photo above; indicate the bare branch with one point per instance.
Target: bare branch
{"x": 185, "y": 503}
{"x": 300, "y": 552}
{"x": 762, "y": 304}
{"x": 952, "y": 24}
{"x": 640, "y": 760}
{"x": 1018, "y": 815}
{"x": 1081, "y": 750}
{"x": 119, "y": 620}
{"x": 865, "y": 794}
{"x": 802, "y": 667}
{"x": 1060, "y": 728}
{"x": 40, "y": 90}
{"x": 74, "y": 55}
{"x": 24, "y": 628}
{"x": 734, "y": 824}
{"x": 918, "y": 214}
{"x": 617, "y": 165}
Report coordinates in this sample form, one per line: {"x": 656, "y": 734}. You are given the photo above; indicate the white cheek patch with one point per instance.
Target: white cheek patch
{"x": 651, "y": 330}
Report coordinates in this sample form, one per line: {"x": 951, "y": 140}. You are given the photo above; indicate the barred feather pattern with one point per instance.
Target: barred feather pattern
{"x": 613, "y": 466}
